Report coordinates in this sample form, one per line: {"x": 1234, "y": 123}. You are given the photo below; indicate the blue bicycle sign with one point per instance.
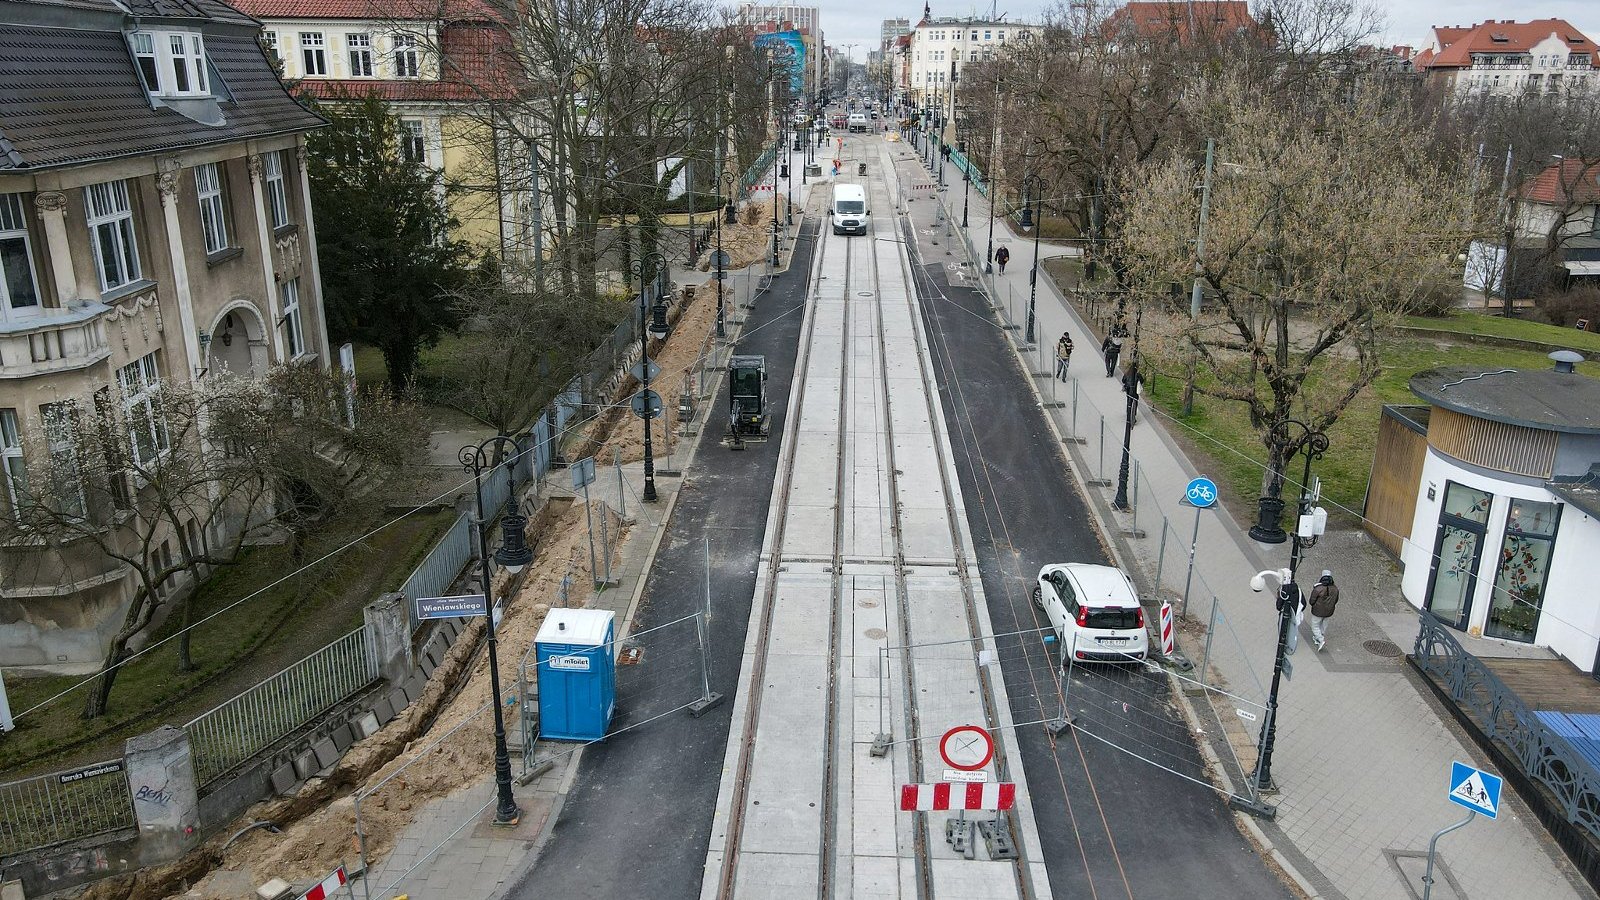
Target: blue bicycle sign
{"x": 1201, "y": 492}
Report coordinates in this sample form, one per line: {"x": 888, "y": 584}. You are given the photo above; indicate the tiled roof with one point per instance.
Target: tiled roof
{"x": 1458, "y": 44}
{"x": 406, "y": 10}
{"x": 1151, "y": 18}
{"x": 73, "y": 96}
{"x": 475, "y": 66}
{"x": 1569, "y": 181}
{"x": 187, "y": 9}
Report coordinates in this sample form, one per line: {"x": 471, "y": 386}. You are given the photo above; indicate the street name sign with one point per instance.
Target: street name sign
{"x": 450, "y": 607}
{"x": 1475, "y": 789}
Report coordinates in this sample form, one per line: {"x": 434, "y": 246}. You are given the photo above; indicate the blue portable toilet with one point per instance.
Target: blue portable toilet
{"x": 577, "y": 663}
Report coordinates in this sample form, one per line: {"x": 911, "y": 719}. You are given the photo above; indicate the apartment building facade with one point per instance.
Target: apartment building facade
{"x": 434, "y": 66}
{"x": 1506, "y": 57}
{"x": 155, "y": 227}
{"x": 940, "y": 47}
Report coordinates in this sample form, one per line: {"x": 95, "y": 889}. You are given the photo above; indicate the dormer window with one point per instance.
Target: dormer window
{"x": 172, "y": 64}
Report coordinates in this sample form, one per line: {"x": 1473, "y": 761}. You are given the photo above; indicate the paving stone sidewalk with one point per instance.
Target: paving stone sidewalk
{"x": 1363, "y": 753}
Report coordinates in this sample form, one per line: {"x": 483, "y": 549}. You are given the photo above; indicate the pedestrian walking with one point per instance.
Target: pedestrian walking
{"x": 1002, "y": 256}
{"x": 1112, "y": 347}
{"x": 1133, "y": 383}
{"x": 1324, "y": 597}
{"x": 1063, "y": 355}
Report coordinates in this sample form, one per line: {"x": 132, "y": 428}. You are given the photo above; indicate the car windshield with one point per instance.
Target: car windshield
{"x": 1112, "y": 617}
{"x": 849, "y": 207}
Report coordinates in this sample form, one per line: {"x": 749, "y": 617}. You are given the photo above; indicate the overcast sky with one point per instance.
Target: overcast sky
{"x": 849, "y": 21}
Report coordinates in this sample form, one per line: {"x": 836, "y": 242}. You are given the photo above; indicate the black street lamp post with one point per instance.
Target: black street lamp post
{"x": 1130, "y": 390}
{"x": 727, "y": 179}
{"x": 966, "y": 182}
{"x": 1033, "y": 276}
{"x": 1315, "y": 445}
{"x": 646, "y": 268}
{"x": 513, "y": 555}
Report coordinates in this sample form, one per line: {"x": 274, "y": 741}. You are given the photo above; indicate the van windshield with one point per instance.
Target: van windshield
{"x": 849, "y": 207}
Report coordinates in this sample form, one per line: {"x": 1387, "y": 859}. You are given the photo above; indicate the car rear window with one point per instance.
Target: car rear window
{"x": 1113, "y": 617}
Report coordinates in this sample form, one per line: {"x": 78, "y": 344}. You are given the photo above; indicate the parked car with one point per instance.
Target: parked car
{"x": 1095, "y": 612}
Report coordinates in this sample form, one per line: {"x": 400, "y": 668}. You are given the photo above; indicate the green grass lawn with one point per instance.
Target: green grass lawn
{"x": 1228, "y": 449}
{"x": 1516, "y": 329}
{"x": 241, "y": 647}
{"x": 1233, "y": 453}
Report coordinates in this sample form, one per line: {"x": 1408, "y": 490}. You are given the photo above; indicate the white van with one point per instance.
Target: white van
{"x": 858, "y": 122}
{"x": 849, "y": 209}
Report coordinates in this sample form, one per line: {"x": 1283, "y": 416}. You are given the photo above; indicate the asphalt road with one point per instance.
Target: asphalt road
{"x": 638, "y": 818}
{"x": 1111, "y": 825}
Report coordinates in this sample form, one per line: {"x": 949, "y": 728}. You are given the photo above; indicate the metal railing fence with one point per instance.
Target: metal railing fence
{"x": 1542, "y": 755}
{"x": 46, "y": 810}
{"x": 248, "y": 723}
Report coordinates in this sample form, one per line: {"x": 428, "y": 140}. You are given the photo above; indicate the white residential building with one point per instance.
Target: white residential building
{"x": 940, "y": 47}
{"x": 1545, "y": 56}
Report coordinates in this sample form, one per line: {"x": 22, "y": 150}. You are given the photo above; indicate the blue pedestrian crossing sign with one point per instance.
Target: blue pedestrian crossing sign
{"x": 1475, "y": 789}
{"x": 1201, "y": 492}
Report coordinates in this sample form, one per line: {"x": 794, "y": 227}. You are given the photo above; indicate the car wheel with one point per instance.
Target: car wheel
{"x": 1038, "y": 597}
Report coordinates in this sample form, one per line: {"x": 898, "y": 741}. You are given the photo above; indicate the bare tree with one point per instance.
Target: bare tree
{"x": 165, "y": 483}
{"x": 518, "y": 349}
{"x": 1326, "y": 223}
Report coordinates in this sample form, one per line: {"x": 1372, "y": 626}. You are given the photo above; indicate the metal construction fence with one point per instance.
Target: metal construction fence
{"x": 1505, "y": 719}
{"x": 252, "y": 721}
{"x": 46, "y": 810}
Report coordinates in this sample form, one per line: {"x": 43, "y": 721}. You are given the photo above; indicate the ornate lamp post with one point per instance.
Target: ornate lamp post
{"x": 513, "y": 555}
{"x": 1309, "y": 527}
{"x": 726, "y": 183}
{"x": 646, "y": 268}
{"x": 1131, "y": 389}
{"x": 1033, "y": 275}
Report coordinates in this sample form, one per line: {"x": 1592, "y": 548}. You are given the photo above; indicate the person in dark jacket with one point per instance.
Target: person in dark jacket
{"x": 1324, "y": 598}
{"x": 1112, "y": 347}
{"x": 1002, "y": 256}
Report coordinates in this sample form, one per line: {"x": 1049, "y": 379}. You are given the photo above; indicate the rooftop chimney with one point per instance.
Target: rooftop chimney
{"x": 1566, "y": 360}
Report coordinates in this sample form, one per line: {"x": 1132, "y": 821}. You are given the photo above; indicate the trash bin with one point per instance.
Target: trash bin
{"x": 577, "y": 666}
{"x": 861, "y": 168}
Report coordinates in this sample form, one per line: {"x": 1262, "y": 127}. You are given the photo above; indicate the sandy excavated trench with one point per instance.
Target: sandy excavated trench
{"x": 325, "y": 837}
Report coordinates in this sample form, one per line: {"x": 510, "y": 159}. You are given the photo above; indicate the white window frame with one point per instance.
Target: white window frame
{"x": 213, "y": 212}
{"x": 15, "y": 468}
{"x": 14, "y": 227}
{"x": 59, "y": 419}
{"x": 143, "y": 44}
{"x": 188, "y": 55}
{"x": 414, "y": 141}
{"x": 313, "y": 46}
{"x": 175, "y": 59}
{"x": 139, "y": 383}
{"x": 110, "y": 216}
{"x": 358, "y": 53}
{"x": 404, "y": 56}
{"x": 277, "y": 193}
{"x": 289, "y": 308}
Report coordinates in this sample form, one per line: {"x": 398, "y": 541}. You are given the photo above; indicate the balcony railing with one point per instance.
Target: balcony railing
{"x": 55, "y": 340}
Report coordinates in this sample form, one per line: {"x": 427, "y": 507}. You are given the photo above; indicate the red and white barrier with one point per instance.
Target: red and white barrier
{"x": 328, "y": 886}
{"x": 1169, "y": 643}
{"x": 929, "y": 797}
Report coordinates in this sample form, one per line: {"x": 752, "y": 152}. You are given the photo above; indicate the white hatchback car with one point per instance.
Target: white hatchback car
{"x": 1095, "y": 612}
